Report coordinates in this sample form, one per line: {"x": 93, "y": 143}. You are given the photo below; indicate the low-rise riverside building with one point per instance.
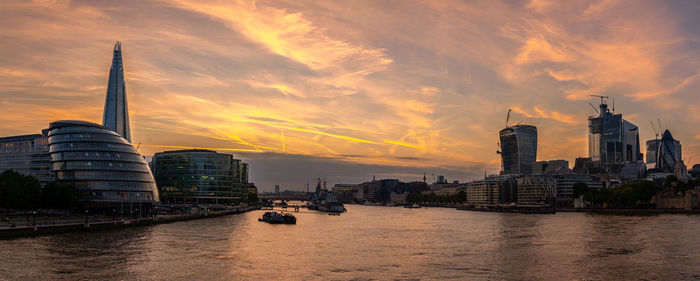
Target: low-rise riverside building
{"x": 200, "y": 176}
{"x": 536, "y": 189}
{"x": 496, "y": 189}
{"x": 28, "y": 155}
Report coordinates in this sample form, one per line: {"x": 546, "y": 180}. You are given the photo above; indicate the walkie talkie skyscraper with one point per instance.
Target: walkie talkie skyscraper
{"x": 116, "y": 113}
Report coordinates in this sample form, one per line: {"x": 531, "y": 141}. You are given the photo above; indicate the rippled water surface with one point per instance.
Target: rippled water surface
{"x": 371, "y": 243}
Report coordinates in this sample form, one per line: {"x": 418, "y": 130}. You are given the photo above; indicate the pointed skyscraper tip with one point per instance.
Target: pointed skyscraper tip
{"x": 116, "y": 113}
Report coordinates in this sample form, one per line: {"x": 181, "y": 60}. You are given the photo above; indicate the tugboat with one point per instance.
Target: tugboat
{"x": 277, "y": 218}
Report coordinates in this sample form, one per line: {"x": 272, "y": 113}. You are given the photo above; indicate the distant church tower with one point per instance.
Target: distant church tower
{"x": 116, "y": 114}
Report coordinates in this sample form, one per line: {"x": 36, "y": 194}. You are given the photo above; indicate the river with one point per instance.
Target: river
{"x": 371, "y": 242}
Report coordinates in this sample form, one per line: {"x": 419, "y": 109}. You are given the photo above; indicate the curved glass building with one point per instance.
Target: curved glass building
{"x": 518, "y": 149}
{"x": 669, "y": 153}
{"x": 198, "y": 176}
{"x": 111, "y": 175}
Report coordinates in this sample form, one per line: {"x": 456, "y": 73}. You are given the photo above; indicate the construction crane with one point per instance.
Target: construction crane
{"x": 656, "y": 133}
{"x": 508, "y": 117}
{"x": 596, "y": 110}
{"x": 601, "y": 98}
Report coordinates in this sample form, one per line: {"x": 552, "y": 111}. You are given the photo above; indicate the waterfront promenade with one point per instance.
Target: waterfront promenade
{"x": 31, "y": 227}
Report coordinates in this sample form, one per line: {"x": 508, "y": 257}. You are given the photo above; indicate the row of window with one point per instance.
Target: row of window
{"x": 101, "y": 165}
{"x": 90, "y": 146}
{"x": 103, "y": 176}
{"x": 86, "y": 137}
{"x": 116, "y": 185}
{"x": 97, "y": 155}
{"x": 79, "y": 129}
{"x": 121, "y": 196}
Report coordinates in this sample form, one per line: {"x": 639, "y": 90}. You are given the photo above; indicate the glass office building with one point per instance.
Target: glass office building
{"x": 116, "y": 112}
{"x": 199, "y": 176}
{"x": 108, "y": 171}
{"x": 518, "y": 149}
{"x": 669, "y": 154}
{"x": 28, "y": 155}
{"x": 612, "y": 141}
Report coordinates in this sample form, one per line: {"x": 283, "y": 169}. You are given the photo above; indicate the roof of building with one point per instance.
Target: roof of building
{"x": 65, "y": 123}
{"x": 186, "y": 151}
{"x": 20, "y": 138}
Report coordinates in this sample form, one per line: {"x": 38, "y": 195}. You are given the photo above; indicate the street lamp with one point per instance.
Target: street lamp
{"x": 86, "y": 217}
{"x": 114, "y": 214}
{"x": 33, "y": 217}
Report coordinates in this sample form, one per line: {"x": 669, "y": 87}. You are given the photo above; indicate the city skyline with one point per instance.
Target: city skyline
{"x": 283, "y": 83}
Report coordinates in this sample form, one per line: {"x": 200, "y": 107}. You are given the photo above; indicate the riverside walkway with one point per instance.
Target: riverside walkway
{"x": 31, "y": 227}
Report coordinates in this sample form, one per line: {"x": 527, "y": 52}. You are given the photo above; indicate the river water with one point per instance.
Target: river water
{"x": 371, "y": 242}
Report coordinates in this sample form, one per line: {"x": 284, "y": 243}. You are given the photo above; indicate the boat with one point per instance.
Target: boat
{"x": 278, "y": 218}
{"x": 414, "y": 206}
{"x": 325, "y": 201}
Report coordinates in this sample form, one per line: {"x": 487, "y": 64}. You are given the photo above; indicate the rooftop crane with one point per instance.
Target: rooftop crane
{"x": 601, "y": 98}
{"x": 656, "y": 133}
{"x": 596, "y": 110}
{"x": 508, "y": 117}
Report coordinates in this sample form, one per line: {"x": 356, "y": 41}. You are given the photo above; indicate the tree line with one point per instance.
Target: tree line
{"x": 636, "y": 194}
{"x": 24, "y": 192}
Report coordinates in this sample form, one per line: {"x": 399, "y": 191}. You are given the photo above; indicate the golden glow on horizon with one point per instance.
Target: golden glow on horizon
{"x": 428, "y": 83}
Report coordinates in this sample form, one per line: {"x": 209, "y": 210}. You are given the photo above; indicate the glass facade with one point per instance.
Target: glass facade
{"x": 199, "y": 176}
{"x": 116, "y": 113}
{"x": 612, "y": 141}
{"x": 27, "y": 154}
{"x": 669, "y": 154}
{"x": 104, "y": 166}
{"x": 518, "y": 149}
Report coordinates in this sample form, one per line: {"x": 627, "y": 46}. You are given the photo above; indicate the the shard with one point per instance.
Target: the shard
{"x": 116, "y": 114}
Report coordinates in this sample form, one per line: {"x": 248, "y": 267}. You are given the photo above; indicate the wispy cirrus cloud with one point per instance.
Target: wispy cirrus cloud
{"x": 363, "y": 83}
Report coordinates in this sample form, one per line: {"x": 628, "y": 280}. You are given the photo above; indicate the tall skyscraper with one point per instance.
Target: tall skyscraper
{"x": 518, "y": 149}
{"x": 612, "y": 141}
{"x": 669, "y": 154}
{"x": 116, "y": 113}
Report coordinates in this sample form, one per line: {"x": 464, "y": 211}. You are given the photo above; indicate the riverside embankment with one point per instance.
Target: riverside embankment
{"x": 92, "y": 225}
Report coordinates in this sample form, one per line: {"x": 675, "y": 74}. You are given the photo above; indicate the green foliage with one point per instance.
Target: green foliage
{"x": 252, "y": 197}
{"x": 60, "y": 196}
{"x": 18, "y": 192}
{"x": 580, "y": 188}
{"x": 671, "y": 180}
{"x": 629, "y": 195}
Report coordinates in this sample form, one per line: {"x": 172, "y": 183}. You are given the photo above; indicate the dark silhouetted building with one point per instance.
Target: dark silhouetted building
{"x": 518, "y": 149}
{"x": 612, "y": 141}
{"x": 668, "y": 155}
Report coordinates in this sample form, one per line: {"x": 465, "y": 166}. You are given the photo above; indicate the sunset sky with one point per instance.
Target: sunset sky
{"x": 345, "y": 90}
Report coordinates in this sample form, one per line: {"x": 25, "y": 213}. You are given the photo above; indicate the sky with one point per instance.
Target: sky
{"x": 348, "y": 90}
